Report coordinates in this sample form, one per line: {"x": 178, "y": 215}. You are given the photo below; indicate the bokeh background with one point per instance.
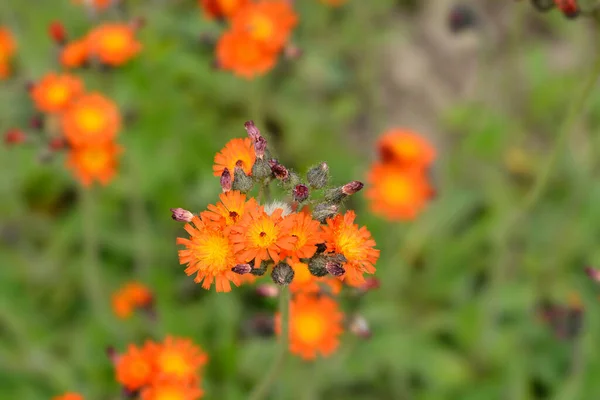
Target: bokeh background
{"x": 457, "y": 315}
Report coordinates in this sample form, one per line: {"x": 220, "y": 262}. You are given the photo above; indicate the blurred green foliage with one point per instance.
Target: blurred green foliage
{"x": 455, "y": 317}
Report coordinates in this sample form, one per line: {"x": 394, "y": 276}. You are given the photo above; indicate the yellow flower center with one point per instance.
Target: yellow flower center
{"x": 90, "y": 119}
{"x": 115, "y": 41}
{"x": 408, "y": 149}
{"x": 174, "y": 363}
{"x": 261, "y": 27}
{"x": 58, "y": 93}
{"x": 350, "y": 244}
{"x": 396, "y": 189}
{"x": 94, "y": 159}
{"x": 169, "y": 393}
{"x": 214, "y": 251}
{"x": 263, "y": 233}
{"x": 310, "y": 326}
{"x": 302, "y": 275}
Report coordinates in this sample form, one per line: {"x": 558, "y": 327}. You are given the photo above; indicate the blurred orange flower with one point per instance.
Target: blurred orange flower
{"x": 405, "y": 148}
{"x": 177, "y": 360}
{"x": 307, "y": 232}
{"x": 69, "y": 396}
{"x": 260, "y": 236}
{"x": 53, "y": 93}
{"x": 267, "y": 22}
{"x": 343, "y": 236}
{"x": 92, "y": 119}
{"x": 305, "y": 282}
{"x": 114, "y": 44}
{"x": 397, "y": 193}
{"x": 231, "y": 208}
{"x": 129, "y": 297}
{"x": 94, "y": 162}
{"x": 75, "y": 53}
{"x": 235, "y": 151}
{"x": 209, "y": 253}
{"x": 244, "y": 56}
{"x": 7, "y": 50}
{"x": 221, "y": 8}
{"x": 314, "y": 327}
{"x": 169, "y": 390}
{"x": 135, "y": 369}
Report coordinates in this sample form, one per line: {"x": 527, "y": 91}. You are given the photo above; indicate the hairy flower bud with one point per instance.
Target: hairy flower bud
{"x": 181, "y": 215}
{"x": 282, "y": 274}
{"x": 317, "y": 265}
{"x": 242, "y": 269}
{"x": 252, "y": 130}
{"x": 241, "y": 181}
{"x": 338, "y": 194}
{"x": 226, "y": 181}
{"x": 323, "y": 211}
{"x": 334, "y": 268}
{"x": 279, "y": 170}
{"x": 261, "y": 169}
{"x": 318, "y": 176}
{"x": 352, "y": 187}
{"x": 260, "y": 145}
{"x": 300, "y": 192}
{"x": 260, "y": 271}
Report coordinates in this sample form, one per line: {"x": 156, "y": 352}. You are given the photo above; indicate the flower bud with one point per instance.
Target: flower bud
{"x": 593, "y": 273}
{"x": 260, "y": 145}
{"x": 252, "y": 130}
{"x": 360, "y": 327}
{"x": 261, "y": 169}
{"x": 352, "y": 187}
{"x": 318, "y": 176}
{"x": 334, "y": 268}
{"x": 461, "y": 17}
{"x": 112, "y": 355}
{"x": 181, "y": 215}
{"x": 317, "y": 265}
{"x": 282, "y": 274}
{"x": 340, "y": 193}
{"x": 260, "y": 271}
{"x": 36, "y": 122}
{"x": 323, "y": 211}
{"x": 241, "y": 181}
{"x": 57, "y": 32}
{"x": 14, "y": 136}
{"x": 226, "y": 182}
{"x": 242, "y": 269}
{"x": 267, "y": 290}
{"x": 300, "y": 192}
{"x": 279, "y": 170}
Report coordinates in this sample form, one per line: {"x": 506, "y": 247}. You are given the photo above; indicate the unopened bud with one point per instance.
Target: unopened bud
{"x": 593, "y": 273}
{"x": 14, "y": 136}
{"x": 261, "y": 169}
{"x": 279, "y": 170}
{"x": 242, "y": 269}
{"x": 282, "y": 274}
{"x": 318, "y": 176}
{"x": 338, "y": 194}
{"x": 352, "y": 187}
{"x": 267, "y": 290}
{"x": 461, "y": 17}
{"x": 57, "y": 32}
{"x": 226, "y": 181}
{"x": 323, "y": 211}
{"x": 260, "y": 271}
{"x": 241, "y": 181}
{"x": 300, "y": 192}
{"x": 335, "y": 268}
{"x": 181, "y": 215}
{"x": 36, "y": 122}
{"x": 260, "y": 145}
{"x": 317, "y": 265}
{"x": 252, "y": 130}
{"x": 360, "y": 327}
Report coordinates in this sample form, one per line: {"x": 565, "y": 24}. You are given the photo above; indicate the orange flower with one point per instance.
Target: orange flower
{"x": 129, "y": 297}
{"x": 260, "y": 236}
{"x": 342, "y": 236}
{"x": 305, "y": 282}
{"x": 7, "y": 50}
{"x": 405, "y": 148}
{"x": 114, "y": 44}
{"x": 221, "y": 8}
{"x": 231, "y": 208}
{"x": 244, "y": 56}
{"x": 267, "y": 22}
{"x": 209, "y": 252}
{"x": 69, "y": 396}
{"x": 168, "y": 390}
{"x": 53, "y": 93}
{"x": 94, "y": 162}
{"x": 134, "y": 369}
{"x": 397, "y": 193}
{"x": 177, "y": 360}
{"x": 92, "y": 119}
{"x": 315, "y": 326}
{"x": 307, "y": 233}
{"x": 235, "y": 151}
{"x": 75, "y": 53}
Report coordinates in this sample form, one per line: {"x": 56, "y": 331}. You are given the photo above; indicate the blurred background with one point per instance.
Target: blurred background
{"x": 479, "y": 299}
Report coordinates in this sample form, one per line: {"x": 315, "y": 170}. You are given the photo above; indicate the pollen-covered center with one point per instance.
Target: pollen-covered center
{"x": 350, "y": 243}
{"x": 396, "y": 189}
{"x": 90, "y": 119}
{"x": 408, "y": 149}
{"x": 261, "y": 26}
{"x": 58, "y": 93}
{"x": 170, "y": 393}
{"x": 174, "y": 363}
{"x": 310, "y": 326}
{"x": 94, "y": 159}
{"x": 115, "y": 41}
{"x": 263, "y": 233}
{"x": 214, "y": 252}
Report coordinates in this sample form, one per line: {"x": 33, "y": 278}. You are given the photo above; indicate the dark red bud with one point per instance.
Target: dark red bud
{"x": 252, "y": 130}
{"x": 14, "y": 136}
{"x": 181, "y": 215}
{"x": 300, "y": 192}
{"x": 242, "y": 269}
{"x": 226, "y": 181}
{"x": 352, "y": 187}
{"x": 57, "y": 32}
{"x": 260, "y": 145}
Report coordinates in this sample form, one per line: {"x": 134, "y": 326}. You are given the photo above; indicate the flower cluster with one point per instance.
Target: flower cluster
{"x": 399, "y": 186}
{"x": 130, "y": 297}
{"x": 238, "y": 235}
{"x": 258, "y": 32}
{"x": 7, "y": 50}
{"x": 167, "y": 370}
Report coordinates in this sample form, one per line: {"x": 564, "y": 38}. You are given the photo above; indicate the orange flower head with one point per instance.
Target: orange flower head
{"x": 69, "y": 396}
{"x": 305, "y": 282}
{"x": 405, "y": 148}
{"x": 267, "y": 22}
{"x": 315, "y": 326}
{"x": 209, "y": 252}
{"x": 131, "y": 296}
{"x": 92, "y": 119}
{"x": 260, "y": 236}
{"x": 236, "y": 150}
{"x": 231, "y": 208}
{"x": 134, "y": 369}
{"x": 342, "y": 236}
{"x": 178, "y": 360}
{"x": 75, "y": 53}
{"x": 307, "y": 232}
{"x": 397, "y": 193}
{"x": 53, "y": 93}
{"x": 169, "y": 390}
{"x": 114, "y": 44}
{"x": 94, "y": 162}
{"x": 221, "y": 8}
{"x": 244, "y": 56}
{"x": 7, "y": 45}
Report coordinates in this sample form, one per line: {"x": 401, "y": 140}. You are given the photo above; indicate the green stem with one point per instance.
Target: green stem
{"x": 91, "y": 274}
{"x": 262, "y": 388}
